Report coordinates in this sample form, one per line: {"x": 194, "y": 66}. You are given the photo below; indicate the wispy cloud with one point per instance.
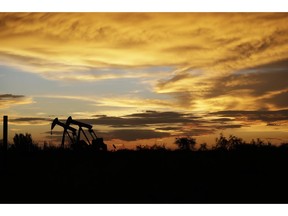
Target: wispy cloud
{"x": 153, "y": 124}
{"x": 261, "y": 87}
{"x": 133, "y": 134}
{"x": 30, "y": 121}
{"x": 8, "y": 100}
{"x": 117, "y": 101}
{"x": 144, "y": 119}
{"x": 270, "y": 117}
{"x": 206, "y": 50}
{"x": 55, "y": 42}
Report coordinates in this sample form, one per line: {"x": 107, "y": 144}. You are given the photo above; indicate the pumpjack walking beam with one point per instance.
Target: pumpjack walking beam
{"x": 97, "y": 142}
{"x": 80, "y": 125}
{"x": 66, "y": 128}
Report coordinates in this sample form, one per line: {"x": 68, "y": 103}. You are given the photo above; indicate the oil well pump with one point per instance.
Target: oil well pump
{"x": 96, "y": 143}
{"x": 76, "y": 143}
{"x": 65, "y": 131}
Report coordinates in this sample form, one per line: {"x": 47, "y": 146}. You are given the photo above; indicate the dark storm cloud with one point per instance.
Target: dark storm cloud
{"x": 158, "y": 125}
{"x": 198, "y": 132}
{"x": 10, "y": 96}
{"x": 122, "y": 134}
{"x": 8, "y": 100}
{"x": 259, "y": 80}
{"x": 171, "y": 116}
{"x": 125, "y": 126}
{"x": 108, "y": 120}
{"x": 144, "y": 119}
{"x": 266, "y": 85}
{"x": 28, "y": 119}
{"x": 165, "y": 123}
{"x": 168, "y": 128}
{"x": 133, "y": 134}
{"x": 280, "y": 100}
{"x": 222, "y": 120}
{"x": 222, "y": 127}
{"x": 265, "y": 116}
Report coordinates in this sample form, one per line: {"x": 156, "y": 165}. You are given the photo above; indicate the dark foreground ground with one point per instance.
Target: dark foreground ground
{"x": 145, "y": 177}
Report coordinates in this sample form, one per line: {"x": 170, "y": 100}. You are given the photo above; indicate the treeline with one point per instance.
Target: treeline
{"x": 231, "y": 171}
{"x": 24, "y": 142}
{"x": 222, "y": 143}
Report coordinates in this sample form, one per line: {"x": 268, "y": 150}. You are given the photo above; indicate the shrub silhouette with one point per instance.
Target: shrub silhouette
{"x": 223, "y": 143}
{"x": 258, "y": 142}
{"x": 154, "y": 147}
{"x": 185, "y": 143}
{"x": 283, "y": 146}
{"x": 24, "y": 142}
{"x": 203, "y": 147}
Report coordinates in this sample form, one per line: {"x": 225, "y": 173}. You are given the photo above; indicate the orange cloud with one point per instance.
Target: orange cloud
{"x": 217, "y": 43}
{"x": 205, "y": 48}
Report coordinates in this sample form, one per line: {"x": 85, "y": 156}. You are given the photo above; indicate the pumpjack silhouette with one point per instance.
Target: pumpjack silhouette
{"x": 96, "y": 143}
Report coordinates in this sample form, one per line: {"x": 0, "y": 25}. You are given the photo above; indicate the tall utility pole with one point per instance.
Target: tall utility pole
{"x": 5, "y": 132}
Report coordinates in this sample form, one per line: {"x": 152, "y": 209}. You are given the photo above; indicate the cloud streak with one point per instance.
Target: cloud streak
{"x": 155, "y": 124}
{"x": 269, "y": 117}
{"x": 261, "y": 87}
{"x": 8, "y": 100}
{"x": 65, "y": 42}
{"x": 210, "y": 54}
{"x": 144, "y": 119}
{"x": 134, "y": 134}
{"x": 30, "y": 121}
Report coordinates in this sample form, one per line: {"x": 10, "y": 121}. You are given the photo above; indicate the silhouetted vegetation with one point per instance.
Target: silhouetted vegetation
{"x": 203, "y": 147}
{"x": 185, "y": 143}
{"x": 24, "y": 142}
{"x": 154, "y": 147}
{"x": 232, "y": 171}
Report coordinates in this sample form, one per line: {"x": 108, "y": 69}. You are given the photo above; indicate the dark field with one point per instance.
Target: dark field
{"x": 248, "y": 175}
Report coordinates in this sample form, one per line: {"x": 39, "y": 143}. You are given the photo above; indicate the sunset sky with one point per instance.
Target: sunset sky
{"x": 146, "y": 78}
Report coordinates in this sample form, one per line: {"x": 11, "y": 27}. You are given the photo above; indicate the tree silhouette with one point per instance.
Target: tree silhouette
{"x": 185, "y": 143}
{"x": 222, "y": 142}
{"x": 230, "y": 143}
{"x": 203, "y": 147}
{"x": 234, "y": 142}
{"x": 23, "y": 142}
{"x": 258, "y": 142}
